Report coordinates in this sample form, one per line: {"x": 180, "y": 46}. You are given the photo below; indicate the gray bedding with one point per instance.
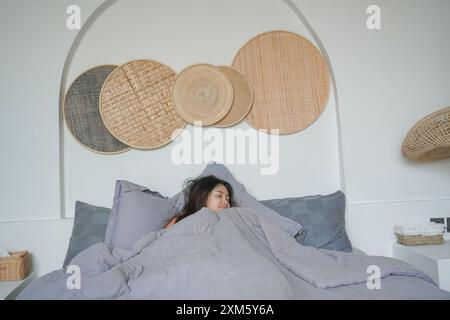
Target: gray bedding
{"x": 236, "y": 254}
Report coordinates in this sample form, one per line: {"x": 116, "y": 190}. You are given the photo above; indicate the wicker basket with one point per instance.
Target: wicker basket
{"x": 429, "y": 139}
{"x": 15, "y": 267}
{"x": 418, "y": 239}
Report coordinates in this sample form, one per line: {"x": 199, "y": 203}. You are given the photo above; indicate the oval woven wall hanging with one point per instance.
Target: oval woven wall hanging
{"x": 243, "y": 98}
{"x": 429, "y": 139}
{"x": 290, "y": 81}
{"x": 136, "y": 104}
{"x": 82, "y": 115}
{"x": 203, "y": 93}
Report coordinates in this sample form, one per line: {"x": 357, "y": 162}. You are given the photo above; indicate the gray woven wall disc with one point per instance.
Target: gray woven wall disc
{"x": 82, "y": 115}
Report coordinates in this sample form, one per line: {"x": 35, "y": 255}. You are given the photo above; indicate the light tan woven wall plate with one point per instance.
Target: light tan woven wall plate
{"x": 82, "y": 115}
{"x": 136, "y": 104}
{"x": 429, "y": 138}
{"x": 202, "y": 92}
{"x": 243, "y": 98}
{"x": 290, "y": 81}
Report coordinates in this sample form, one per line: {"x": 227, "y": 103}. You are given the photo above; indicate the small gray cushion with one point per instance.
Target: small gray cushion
{"x": 321, "y": 216}
{"x": 136, "y": 211}
{"x": 89, "y": 227}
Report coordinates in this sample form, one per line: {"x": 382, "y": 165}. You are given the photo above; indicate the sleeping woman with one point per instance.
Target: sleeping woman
{"x": 210, "y": 192}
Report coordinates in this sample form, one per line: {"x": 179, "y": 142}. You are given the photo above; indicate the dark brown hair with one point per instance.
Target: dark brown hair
{"x": 196, "y": 194}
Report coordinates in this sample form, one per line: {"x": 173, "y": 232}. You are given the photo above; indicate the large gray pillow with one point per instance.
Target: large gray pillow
{"x": 241, "y": 198}
{"x": 89, "y": 227}
{"x": 136, "y": 211}
{"x": 322, "y": 218}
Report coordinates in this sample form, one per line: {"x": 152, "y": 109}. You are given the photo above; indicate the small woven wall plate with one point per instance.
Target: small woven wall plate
{"x": 82, "y": 115}
{"x": 290, "y": 81}
{"x": 429, "y": 138}
{"x": 136, "y": 105}
{"x": 243, "y": 98}
{"x": 203, "y": 92}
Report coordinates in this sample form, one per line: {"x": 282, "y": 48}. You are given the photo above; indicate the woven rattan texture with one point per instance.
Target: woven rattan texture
{"x": 290, "y": 81}
{"x": 82, "y": 115}
{"x": 136, "y": 105}
{"x": 414, "y": 240}
{"x": 203, "y": 92}
{"x": 15, "y": 267}
{"x": 429, "y": 139}
{"x": 243, "y": 98}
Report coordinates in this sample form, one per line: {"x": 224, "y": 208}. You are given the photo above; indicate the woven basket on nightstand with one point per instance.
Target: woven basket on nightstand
{"x": 15, "y": 267}
{"x": 418, "y": 239}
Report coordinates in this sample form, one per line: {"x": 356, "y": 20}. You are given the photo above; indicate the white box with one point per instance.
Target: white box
{"x": 434, "y": 260}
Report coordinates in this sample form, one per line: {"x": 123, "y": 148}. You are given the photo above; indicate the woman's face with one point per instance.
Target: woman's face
{"x": 218, "y": 198}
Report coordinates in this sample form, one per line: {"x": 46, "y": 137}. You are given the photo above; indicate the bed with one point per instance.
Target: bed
{"x": 247, "y": 252}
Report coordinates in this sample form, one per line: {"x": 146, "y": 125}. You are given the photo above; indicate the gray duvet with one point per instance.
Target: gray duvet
{"x": 235, "y": 254}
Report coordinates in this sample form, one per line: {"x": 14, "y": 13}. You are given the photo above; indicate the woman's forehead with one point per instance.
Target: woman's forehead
{"x": 221, "y": 188}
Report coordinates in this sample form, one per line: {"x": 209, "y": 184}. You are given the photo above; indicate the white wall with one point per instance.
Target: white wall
{"x": 34, "y": 46}
{"x": 444, "y": 27}
{"x": 46, "y": 240}
{"x": 386, "y": 81}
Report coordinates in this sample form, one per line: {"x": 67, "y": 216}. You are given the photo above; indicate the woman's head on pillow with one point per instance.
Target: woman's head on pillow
{"x": 210, "y": 191}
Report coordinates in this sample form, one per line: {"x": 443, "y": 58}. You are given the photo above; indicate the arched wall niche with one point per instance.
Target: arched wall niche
{"x": 178, "y": 42}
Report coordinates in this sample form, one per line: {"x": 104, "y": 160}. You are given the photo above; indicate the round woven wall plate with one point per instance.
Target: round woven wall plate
{"x": 82, "y": 115}
{"x": 429, "y": 138}
{"x": 243, "y": 98}
{"x": 289, "y": 78}
{"x": 203, "y": 93}
{"x": 136, "y": 105}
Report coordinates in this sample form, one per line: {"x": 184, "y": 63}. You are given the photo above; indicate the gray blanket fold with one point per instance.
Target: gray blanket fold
{"x": 235, "y": 254}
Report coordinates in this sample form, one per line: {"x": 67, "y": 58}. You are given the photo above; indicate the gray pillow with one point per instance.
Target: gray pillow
{"x": 136, "y": 211}
{"x": 321, "y": 216}
{"x": 89, "y": 227}
{"x": 241, "y": 198}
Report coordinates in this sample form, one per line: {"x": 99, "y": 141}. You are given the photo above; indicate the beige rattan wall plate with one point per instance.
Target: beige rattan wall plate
{"x": 429, "y": 139}
{"x": 290, "y": 81}
{"x": 136, "y": 104}
{"x": 243, "y": 98}
{"x": 82, "y": 115}
{"x": 204, "y": 93}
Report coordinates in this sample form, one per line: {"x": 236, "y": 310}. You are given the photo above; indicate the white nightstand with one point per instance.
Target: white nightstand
{"x": 434, "y": 260}
{"x": 9, "y": 290}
